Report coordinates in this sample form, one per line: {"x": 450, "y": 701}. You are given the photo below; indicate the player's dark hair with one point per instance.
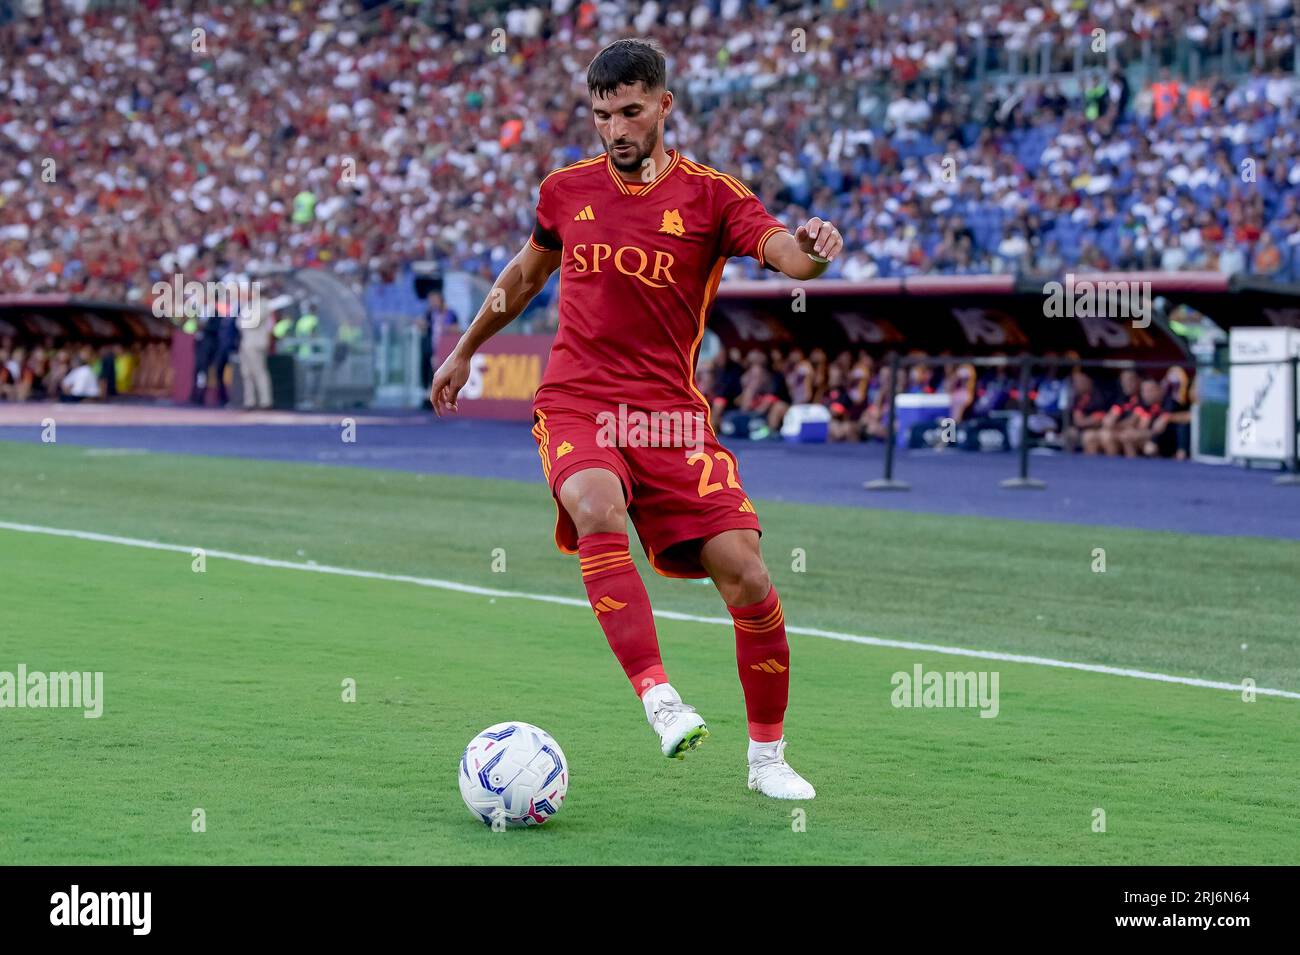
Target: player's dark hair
{"x": 627, "y": 62}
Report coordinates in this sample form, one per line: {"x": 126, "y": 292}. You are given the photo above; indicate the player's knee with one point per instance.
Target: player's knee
{"x": 597, "y": 514}
{"x": 748, "y": 584}
{"x": 756, "y": 583}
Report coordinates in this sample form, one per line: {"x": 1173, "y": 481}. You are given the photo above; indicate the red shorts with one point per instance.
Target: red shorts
{"x": 677, "y": 496}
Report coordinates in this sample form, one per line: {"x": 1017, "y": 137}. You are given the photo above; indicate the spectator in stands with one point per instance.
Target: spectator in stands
{"x": 227, "y": 348}
{"x": 920, "y": 376}
{"x": 155, "y": 375}
{"x": 996, "y": 391}
{"x": 438, "y": 320}
{"x": 1170, "y": 431}
{"x": 798, "y": 374}
{"x": 1051, "y": 392}
{"x": 1268, "y": 257}
{"x": 777, "y": 361}
{"x": 1087, "y": 411}
{"x": 762, "y": 392}
{"x": 820, "y": 374}
{"x": 834, "y": 402}
{"x": 805, "y": 377}
{"x": 205, "y": 354}
{"x": 80, "y": 383}
{"x": 22, "y": 374}
{"x": 1014, "y": 249}
{"x": 108, "y": 371}
{"x": 1127, "y": 257}
{"x": 56, "y": 369}
{"x": 723, "y": 384}
{"x": 424, "y": 330}
{"x": 1148, "y": 415}
{"x": 367, "y": 183}
{"x": 960, "y": 381}
{"x": 1119, "y": 419}
{"x": 1049, "y": 261}
{"x": 847, "y": 397}
{"x": 442, "y": 318}
{"x": 254, "y": 343}
{"x": 125, "y": 367}
{"x": 8, "y": 377}
{"x": 875, "y": 420}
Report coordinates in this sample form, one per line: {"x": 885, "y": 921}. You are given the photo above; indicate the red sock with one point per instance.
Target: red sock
{"x": 622, "y": 607}
{"x": 763, "y": 659}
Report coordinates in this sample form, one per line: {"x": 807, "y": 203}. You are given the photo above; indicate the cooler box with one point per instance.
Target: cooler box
{"x": 914, "y": 409}
{"x": 806, "y": 424}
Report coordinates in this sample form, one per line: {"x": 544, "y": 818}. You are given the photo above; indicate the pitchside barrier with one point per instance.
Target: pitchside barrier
{"x": 1027, "y": 363}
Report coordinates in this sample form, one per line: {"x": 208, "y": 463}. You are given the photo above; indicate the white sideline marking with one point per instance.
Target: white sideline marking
{"x": 665, "y": 614}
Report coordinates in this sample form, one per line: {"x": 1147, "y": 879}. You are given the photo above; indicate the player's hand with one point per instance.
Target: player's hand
{"x": 448, "y": 380}
{"x": 816, "y": 237}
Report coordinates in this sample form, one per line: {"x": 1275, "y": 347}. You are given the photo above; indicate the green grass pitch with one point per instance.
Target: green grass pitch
{"x": 223, "y": 690}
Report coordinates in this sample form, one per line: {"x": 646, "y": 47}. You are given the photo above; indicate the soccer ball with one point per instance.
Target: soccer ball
{"x": 515, "y": 773}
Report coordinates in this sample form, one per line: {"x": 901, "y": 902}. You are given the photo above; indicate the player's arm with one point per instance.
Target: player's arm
{"x": 791, "y": 253}
{"x": 514, "y": 288}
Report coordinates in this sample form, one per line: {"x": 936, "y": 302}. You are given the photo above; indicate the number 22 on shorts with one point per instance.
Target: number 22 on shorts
{"x": 706, "y": 487}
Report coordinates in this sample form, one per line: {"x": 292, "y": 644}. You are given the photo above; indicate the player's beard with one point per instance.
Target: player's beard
{"x": 643, "y": 151}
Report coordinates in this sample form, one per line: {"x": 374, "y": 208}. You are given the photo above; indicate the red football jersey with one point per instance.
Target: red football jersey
{"x": 640, "y": 269}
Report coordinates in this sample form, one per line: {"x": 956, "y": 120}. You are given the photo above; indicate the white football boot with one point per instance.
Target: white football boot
{"x": 771, "y": 775}
{"x": 679, "y": 727}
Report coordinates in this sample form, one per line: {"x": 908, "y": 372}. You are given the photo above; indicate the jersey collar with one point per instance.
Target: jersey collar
{"x": 674, "y": 158}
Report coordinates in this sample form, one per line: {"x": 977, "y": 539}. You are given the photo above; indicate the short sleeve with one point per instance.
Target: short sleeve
{"x": 546, "y": 237}
{"x": 746, "y": 225}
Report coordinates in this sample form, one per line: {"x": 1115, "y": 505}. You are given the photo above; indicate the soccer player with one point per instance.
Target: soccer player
{"x": 641, "y": 234}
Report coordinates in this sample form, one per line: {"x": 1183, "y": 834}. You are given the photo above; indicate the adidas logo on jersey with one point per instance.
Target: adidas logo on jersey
{"x": 586, "y": 215}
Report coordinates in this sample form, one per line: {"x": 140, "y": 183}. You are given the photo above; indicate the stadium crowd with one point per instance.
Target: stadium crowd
{"x": 1070, "y": 410}
{"x": 139, "y": 141}
{"x": 73, "y": 371}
